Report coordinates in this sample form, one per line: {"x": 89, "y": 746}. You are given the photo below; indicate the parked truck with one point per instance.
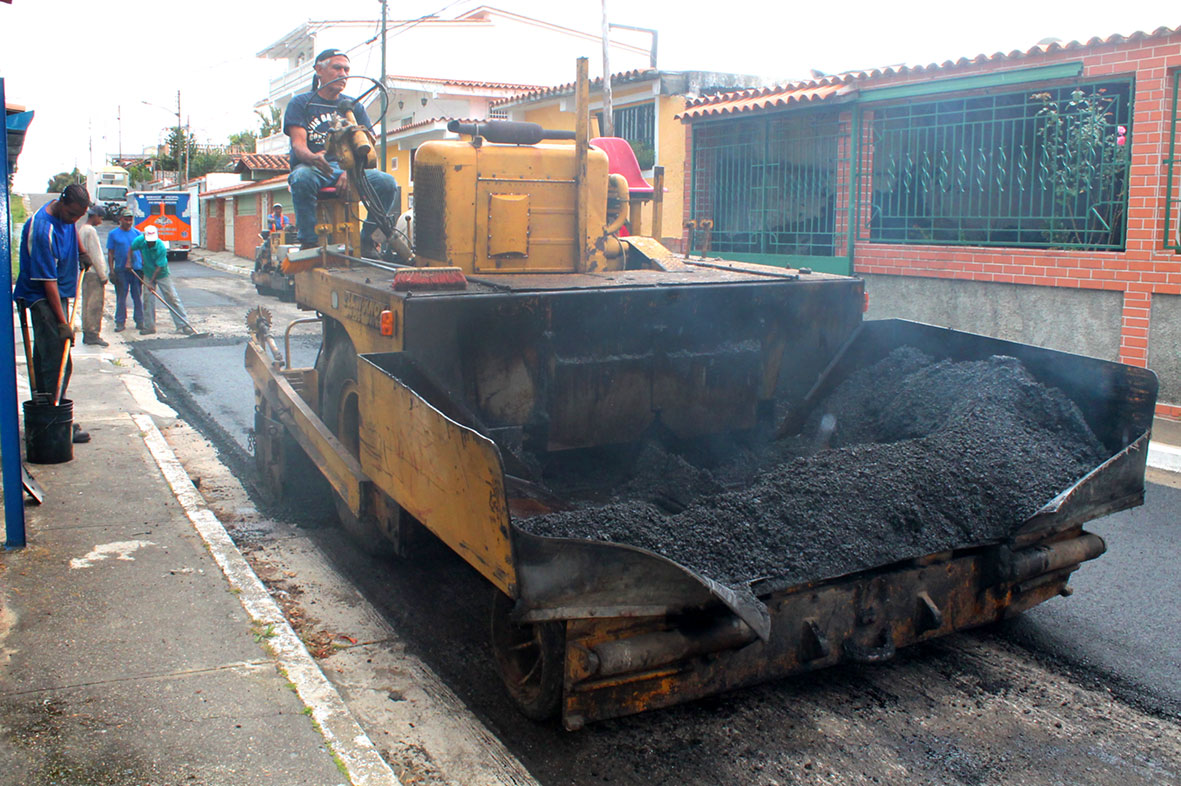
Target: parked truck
{"x": 659, "y": 462}
{"x": 108, "y": 188}
{"x": 170, "y": 212}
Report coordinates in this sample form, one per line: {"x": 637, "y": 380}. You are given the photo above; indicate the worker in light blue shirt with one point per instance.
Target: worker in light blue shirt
{"x": 125, "y": 266}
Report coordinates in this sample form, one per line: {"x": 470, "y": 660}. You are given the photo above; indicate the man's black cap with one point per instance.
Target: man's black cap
{"x": 327, "y": 53}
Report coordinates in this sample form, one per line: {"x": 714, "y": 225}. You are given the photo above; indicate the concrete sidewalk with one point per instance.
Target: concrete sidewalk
{"x": 136, "y": 645}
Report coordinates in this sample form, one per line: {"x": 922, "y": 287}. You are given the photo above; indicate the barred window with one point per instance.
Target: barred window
{"x": 1036, "y": 168}
{"x": 769, "y": 185}
{"x": 637, "y": 124}
{"x": 1173, "y": 168}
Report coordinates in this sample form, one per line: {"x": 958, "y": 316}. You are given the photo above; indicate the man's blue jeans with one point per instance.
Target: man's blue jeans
{"x": 127, "y": 282}
{"x": 305, "y": 182}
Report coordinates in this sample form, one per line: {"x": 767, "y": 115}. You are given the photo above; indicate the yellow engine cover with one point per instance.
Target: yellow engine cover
{"x": 506, "y": 208}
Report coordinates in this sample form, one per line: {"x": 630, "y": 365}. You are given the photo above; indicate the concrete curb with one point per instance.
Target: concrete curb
{"x": 1164, "y": 457}
{"x": 350, "y": 745}
{"x": 225, "y": 267}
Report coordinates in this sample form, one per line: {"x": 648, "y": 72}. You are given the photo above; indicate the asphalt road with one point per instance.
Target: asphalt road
{"x": 1118, "y": 630}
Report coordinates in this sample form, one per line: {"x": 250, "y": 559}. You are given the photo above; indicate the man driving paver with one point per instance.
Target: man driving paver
{"x": 307, "y": 121}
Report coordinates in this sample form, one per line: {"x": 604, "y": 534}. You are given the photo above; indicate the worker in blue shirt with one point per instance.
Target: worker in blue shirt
{"x": 125, "y": 266}
{"x": 45, "y": 285}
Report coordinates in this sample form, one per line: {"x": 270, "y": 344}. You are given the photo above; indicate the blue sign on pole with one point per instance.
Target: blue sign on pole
{"x": 10, "y": 446}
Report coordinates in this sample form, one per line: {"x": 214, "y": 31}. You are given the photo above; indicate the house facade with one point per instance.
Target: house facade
{"x": 234, "y": 215}
{"x": 1030, "y": 195}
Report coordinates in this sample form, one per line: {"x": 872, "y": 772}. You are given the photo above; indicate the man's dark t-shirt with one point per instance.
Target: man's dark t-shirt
{"x": 316, "y": 114}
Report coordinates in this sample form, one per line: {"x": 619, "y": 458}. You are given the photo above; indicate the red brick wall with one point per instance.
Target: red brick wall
{"x": 246, "y": 228}
{"x": 215, "y": 224}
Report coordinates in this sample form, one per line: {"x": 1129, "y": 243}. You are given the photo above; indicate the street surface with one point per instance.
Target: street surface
{"x": 1081, "y": 690}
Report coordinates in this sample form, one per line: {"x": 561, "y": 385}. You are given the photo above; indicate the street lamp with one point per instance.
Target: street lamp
{"x": 183, "y": 140}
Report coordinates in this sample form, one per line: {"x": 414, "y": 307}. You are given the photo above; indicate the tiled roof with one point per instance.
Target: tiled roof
{"x": 261, "y": 161}
{"x": 764, "y": 98}
{"x": 432, "y": 121}
{"x": 253, "y": 185}
{"x": 622, "y": 77}
{"x": 840, "y": 84}
{"x": 465, "y": 83}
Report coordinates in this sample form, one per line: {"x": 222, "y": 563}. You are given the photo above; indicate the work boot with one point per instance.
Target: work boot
{"x": 146, "y": 331}
{"x": 185, "y": 330}
{"x": 80, "y": 436}
{"x": 93, "y": 338}
{"x": 306, "y": 246}
{"x": 120, "y": 328}
{"x": 369, "y": 248}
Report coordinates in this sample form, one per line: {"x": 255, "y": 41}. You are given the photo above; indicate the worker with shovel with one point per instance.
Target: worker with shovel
{"x": 47, "y": 282}
{"x": 158, "y": 282}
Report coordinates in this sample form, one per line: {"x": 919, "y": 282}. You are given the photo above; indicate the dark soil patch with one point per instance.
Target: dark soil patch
{"x": 922, "y": 457}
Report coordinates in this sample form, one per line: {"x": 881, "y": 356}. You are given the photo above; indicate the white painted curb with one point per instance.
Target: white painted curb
{"x": 1162, "y": 456}
{"x": 344, "y": 736}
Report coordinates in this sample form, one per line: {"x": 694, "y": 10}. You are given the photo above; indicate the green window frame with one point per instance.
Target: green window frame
{"x": 637, "y": 124}
{"x": 770, "y": 185}
{"x": 246, "y": 205}
{"x": 1173, "y": 177}
{"x": 1043, "y": 167}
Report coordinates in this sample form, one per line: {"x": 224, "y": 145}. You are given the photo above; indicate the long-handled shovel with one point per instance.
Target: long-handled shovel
{"x": 61, "y": 372}
{"x": 160, "y": 297}
{"x": 24, "y": 315}
{"x": 32, "y": 487}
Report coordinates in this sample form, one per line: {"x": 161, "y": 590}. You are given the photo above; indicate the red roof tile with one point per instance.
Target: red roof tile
{"x": 764, "y": 98}
{"x": 261, "y": 161}
{"x": 245, "y": 184}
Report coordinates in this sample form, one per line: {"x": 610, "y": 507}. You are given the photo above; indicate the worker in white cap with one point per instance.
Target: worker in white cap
{"x": 157, "y": 281}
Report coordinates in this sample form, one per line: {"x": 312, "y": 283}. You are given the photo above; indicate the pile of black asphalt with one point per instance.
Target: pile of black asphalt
{"x": 907, "y": 457}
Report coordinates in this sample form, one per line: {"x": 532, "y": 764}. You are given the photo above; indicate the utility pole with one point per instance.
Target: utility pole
{"x": 183, "y": 141}
{"x": 608, "y": 128}
{"x": 384, "y": 108}
{"x": 119, "y": 123}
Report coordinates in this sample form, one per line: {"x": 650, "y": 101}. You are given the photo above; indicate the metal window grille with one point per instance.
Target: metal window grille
{"x": 1173, "y": 179}
{"x": 770, "y": 185}
{"x": 498, "y": 114}
{"x": 1037, "y": 168}
{"x": 637, "y": 124}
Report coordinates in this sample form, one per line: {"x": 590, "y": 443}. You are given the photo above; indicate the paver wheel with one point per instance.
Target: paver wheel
{"x": 340, "y": 412}
{"x": 531, "y": 659}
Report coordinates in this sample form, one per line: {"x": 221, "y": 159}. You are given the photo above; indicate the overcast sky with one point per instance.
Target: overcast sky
{"x": 87, "y": 76}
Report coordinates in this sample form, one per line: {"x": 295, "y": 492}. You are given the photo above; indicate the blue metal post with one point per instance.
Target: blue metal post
{"x": 10, "y": 446}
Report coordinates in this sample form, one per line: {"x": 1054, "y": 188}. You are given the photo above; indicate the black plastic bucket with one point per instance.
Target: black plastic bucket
{"x": 49, "y": 432}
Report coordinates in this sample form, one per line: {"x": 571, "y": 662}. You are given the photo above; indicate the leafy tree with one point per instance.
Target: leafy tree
{"x": 204, "y": 163}
{"x": 246, "y": 139}
{"x": 58, "y": 182}
{"x": 139, "y": 174}
{"x": 178, "y": 140}
{"x": 271, "y": 122}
